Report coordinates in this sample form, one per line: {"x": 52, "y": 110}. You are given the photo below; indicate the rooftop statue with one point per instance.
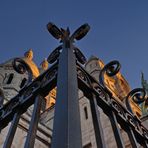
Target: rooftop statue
{"x": 44, "y": 64}
{"x": 144, "y": 105}
{"x": 28, "y": 58}
{"x": 29, "y": 54}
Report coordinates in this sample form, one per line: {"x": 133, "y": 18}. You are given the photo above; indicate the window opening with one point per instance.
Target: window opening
{"x": 10, "y": 78}
{"x": 85, "y": 112}
{"x": 23, "y": 82}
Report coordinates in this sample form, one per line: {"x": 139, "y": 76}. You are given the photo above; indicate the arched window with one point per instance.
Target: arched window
{"x": 10, "y": 78}
{"x": 85, "y": 112}
{"x": 23, "y": 82}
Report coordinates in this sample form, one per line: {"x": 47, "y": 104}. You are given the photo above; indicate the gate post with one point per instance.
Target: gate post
{"x": 66, "y": 128}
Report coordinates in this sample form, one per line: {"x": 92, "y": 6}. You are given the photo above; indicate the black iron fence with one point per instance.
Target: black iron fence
{"x": 67, "y": 69}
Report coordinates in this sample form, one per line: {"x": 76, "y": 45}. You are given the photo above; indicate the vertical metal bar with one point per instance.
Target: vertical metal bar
{"x": 132, "y": 137}
{"x": 146, "y": 144}
{"x": 67, "y": 129}
{"x": 116, "y": 130}
{"x": 34, "y": 123}
{"x": 12, "y": 130}
{"x": 96, "y": 122}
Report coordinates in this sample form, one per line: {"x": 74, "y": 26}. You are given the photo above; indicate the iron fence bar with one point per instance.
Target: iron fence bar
{"x": 146, "y": 144}
{"x": 116, "y": 130}
{"x": 37, "y": 137}
{"x": 12, "y": 130}
{"x": 131, "y": 134}
{"x": 67, "y": 128}
{"x": 34, "y": 123}
{"x": 132, "y": 137}
{"x": 97, "y": 124}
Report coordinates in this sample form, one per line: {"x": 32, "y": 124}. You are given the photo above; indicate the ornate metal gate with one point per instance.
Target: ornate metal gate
{"x": 68, "y": 75}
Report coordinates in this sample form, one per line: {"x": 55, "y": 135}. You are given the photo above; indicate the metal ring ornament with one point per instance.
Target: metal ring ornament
{"x": 137, "y": 95}
{"x": 111, "y": 69}
{"x": 101, "y": 93}
{"x": 48, "y": 77}
{"x": 145, "y": 132}
{"x": 19, "y": 65}
{"x": 22, "y": 67}
{"x": 80, "y": 32}
{"x": 118, "y": 108}
{"x": 30, "y": 90}
{"x": 79, "y": 55}
{"x": 54, "y": 30}
{"x": 131, "y": 120}
{"x": 81, "y": 73}
{"x": 54, "y": 55}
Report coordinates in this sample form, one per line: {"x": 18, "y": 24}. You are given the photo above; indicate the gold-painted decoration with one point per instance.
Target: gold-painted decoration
{"x": 116, "y": 84}
{"x": 119, "y": 88}
{"x": 29, "y": 54}
{"x": 44, "y": 64}
{"x": 51, "y": 98}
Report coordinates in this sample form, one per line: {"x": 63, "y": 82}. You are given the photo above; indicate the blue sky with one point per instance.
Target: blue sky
{"x": 119, "y": 30}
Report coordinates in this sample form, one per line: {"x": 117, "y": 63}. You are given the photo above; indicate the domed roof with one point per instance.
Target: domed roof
{"x": 33, "y": 66}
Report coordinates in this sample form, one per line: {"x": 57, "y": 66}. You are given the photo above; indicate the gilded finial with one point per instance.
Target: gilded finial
{"x": 29, "y": 54}
{"x": 44, "y": 64}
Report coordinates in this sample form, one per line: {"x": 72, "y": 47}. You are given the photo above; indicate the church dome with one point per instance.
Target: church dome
{"x": 33, "y": 67}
